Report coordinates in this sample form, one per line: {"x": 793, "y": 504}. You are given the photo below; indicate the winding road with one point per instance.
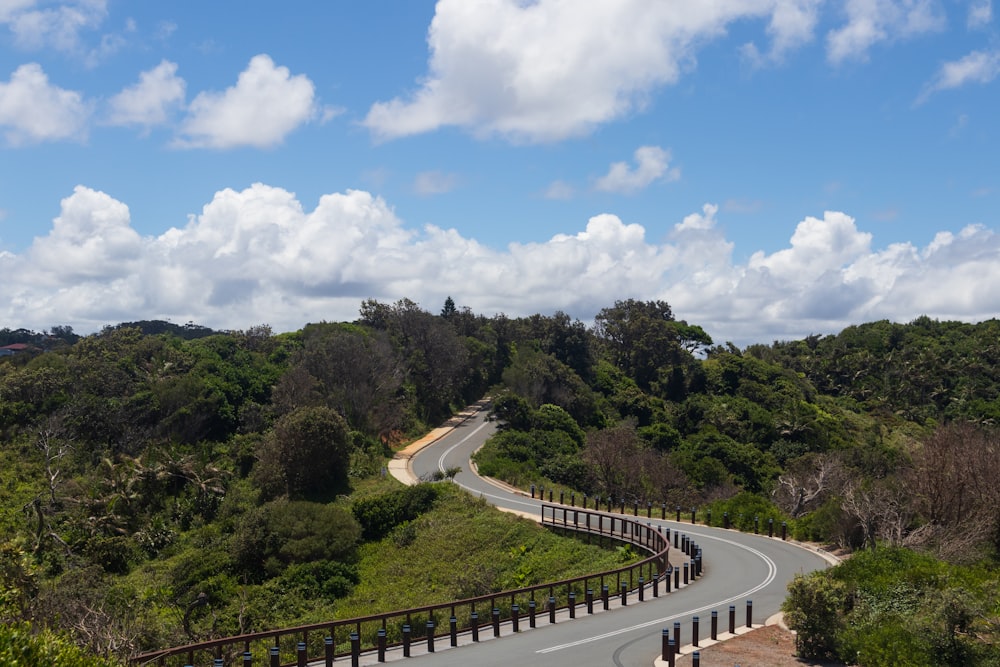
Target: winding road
{"x": 738, "y": 567}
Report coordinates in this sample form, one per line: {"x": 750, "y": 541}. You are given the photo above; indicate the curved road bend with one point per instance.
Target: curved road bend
{"x": 737, "y": 566}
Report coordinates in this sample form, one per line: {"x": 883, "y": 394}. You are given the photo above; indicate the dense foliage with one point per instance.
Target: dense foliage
{"x": 163, "y": 483}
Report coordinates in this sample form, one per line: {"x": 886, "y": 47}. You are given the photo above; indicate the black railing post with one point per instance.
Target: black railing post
{"x": 677, "y": 577}
{"x": 656, "y": 585}
{"x": 784, "y": 530}
{"x": 642, "y": 584}
{"x": 604, "y": 595}
{"x": 725, "y": 520}
{"x": 749, "y": 613}
{"x": 590, "y": 600}
{"x": 756, "y": 525}
{"x": 552, "y": 609}
{"x": 300, "y": 654}
{"x": 696, "y": 659}
{"x": 732, "y": 619}
{"x": 496, "y": 622}
{"x": 665, "y": 647}
{"x": 381, "y": 644}
{"x": 247, "y": 659}
{"x": 572, "y": 604}
{"x": 430, "y": 636}
{"x": 624, "y": 595}
{"x": 708, "y": 517}
{"x": 678, "y": 512}
{"x": 355, "y": 650}
{"x": 327, "y": 651}
{"x": 275, "y": 654}
{"x": 453, "y": 630}
{"x": 715, "y": 625}
{"x": 663, "y": 511}
{"x": 693, "y": 511}
{"x": 531, "y": 613}
{"x": 532, "y": 491}
{"x": 515, "y": 612}
{"x": 770, "y": 527}
{"x": 474, "y": 625}
{"x": 406, "y": 639}
{"x": 677, "y": 635}
{"x": 671, "y": 651}
{"x": 694, "y": 630}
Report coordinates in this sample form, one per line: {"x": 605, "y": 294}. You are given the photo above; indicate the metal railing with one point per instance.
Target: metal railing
{"x": 346, "y": 638}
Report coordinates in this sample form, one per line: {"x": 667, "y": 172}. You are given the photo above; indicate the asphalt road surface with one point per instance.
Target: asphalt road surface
{"x": 737, "y": 567}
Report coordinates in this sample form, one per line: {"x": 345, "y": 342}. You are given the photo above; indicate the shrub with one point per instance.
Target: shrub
{"x": 378, "y": 515}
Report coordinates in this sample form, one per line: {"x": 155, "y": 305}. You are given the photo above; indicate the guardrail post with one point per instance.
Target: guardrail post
{"x": 677, "y": 577}
{"x": 685, "y": 573}
{"x": 406, "y": 640}
{"x": 515, "y": 611}
{"x": 247, "y": 658}
{"x": 715, "y": 625}
{"x": 677, "y": 540}
{"x": 572, "y": 604}
{"x": 693, "y": 511}
{"x": 561, "y": 496}
{"x": 550, "y": 495}
{"x": 430, "y": 636}
{"x": 635, "y": 508}
{"x": 590, "y": 600}
{"x": 381, "y": 644}
{"x": 663, "y": 511}
{"x": 585, "y": 501}
{"x": 697, "y": 562}
{"x": 531, "y": 613}
{"x": 694, "y": 630}
{"x": 784, "y": 530}
{"x": 725, "y": 520}
{"x": 453, "y": 630}
{"x": 770, "y": 527}
{"x": 623, "y": 512}
{"x": 656, "y": 585}
{"x": 756, "y": 525}
{"x": 649, "y": 510}
{"x": 218, "y": 662}
{"x": 604, "y": 595}
{"x": 665, "y": 647}
{"x": 300, "y": 654}
{"x": 677, "y": 635}
{"x": 671, "y": 651}
{"x": 732, "y": 619}
{"x": 552, "y": 609}
{"x": 327, "y": 651}
{"x": 532, "y": 491}
{"x": 708, "y": 517}
{"x": 474, "y": 625}
{"x": 275, "y": 653}
{"x": 572, "y": 498}
{"x": 696, "y": 659}
{"x": 355, "y": 650}
{"x": 749, "y": 613}
{"x": 678, "y": 517}
{"x": 642, "y": 583}
{"x": 496, "y": 622}
{"x": 624, "y": 595}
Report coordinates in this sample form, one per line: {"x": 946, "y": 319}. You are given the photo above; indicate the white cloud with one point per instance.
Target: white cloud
{"x": 977, "y": 67}
{"x": 980, "y": 14}
{"x": 872, "y": 21}
{"x": 434, "y": 183}
{"x": 549, "y": 69}
{"x": 559, "y": 190}
{"x": 150, "y": 101}
{"x": 258, "y": 256}
{"x": 651, "y": 164}
{"x": 266, "y": 104}
{"x": 792, "y": 24}
{"x": 32, "y": 109}
{"x": 57, "y": 26}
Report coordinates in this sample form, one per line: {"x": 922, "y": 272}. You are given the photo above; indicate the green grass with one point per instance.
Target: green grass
{"x": 462, "y": 548}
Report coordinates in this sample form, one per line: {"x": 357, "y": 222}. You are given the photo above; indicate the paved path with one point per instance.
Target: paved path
{"x": 738, "y": 567}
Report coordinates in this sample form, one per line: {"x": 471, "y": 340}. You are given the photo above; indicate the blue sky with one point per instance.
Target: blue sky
{"x": 771, "y": 168}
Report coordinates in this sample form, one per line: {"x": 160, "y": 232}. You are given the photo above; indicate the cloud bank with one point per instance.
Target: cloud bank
{"x": 258, "y": 256}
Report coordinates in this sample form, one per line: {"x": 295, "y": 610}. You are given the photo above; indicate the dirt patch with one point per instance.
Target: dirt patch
{"x": 770, "y": 646}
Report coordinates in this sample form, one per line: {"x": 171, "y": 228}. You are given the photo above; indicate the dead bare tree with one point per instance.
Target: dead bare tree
{"x": 807, "y": 483}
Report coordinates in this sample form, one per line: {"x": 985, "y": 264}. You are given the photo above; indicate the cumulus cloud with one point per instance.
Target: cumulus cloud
{"x": 977, "y": 67}
{"x": 792, "y": 24}
{"x": 651, "y": 164}
{"x": 434, "y": 183}
{"x": 266, "y": 104}
{"x": 150, "y": 101}
{"x": 980, "y": 14}
{"x": 56, "y": 26}
{"x": 546, "y": 70}
{"x": 872, "y": 21}
{"x": 33, "y": 110}
{"x": 258, "y": 255}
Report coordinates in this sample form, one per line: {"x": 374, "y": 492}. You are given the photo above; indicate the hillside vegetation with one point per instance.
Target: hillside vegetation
{"x": 164, "y": 484}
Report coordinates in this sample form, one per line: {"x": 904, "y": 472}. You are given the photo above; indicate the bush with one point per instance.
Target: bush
{"x": 23, "y": 646}
{"x": 378, "y": 515}
{"x": 814, "y": 610}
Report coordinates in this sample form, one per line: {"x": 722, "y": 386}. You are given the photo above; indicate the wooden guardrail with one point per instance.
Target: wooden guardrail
{"x": 333, "y": 640}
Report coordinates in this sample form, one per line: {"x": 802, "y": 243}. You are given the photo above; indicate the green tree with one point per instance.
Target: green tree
{"x": 814, "y": 610}
{"x": 305, "y": 455}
